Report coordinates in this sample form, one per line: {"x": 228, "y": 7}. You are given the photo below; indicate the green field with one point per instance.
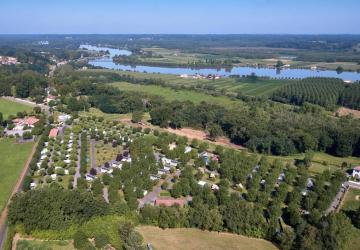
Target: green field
{"x": 44, "y": 245}
{"x": 195, "y": 239}
{"x": 352, "y": 200}
{"x": 178, "y": 95}
{"x": 8, "y": 107}
{"x": 227, "y": 85}
{"x": 13, "y": 157}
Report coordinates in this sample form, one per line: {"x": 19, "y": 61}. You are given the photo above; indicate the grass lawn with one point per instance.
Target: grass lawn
{"x": 180, "y": 95}
{"x": 97, "y": 112}
{"x": 44, "y": 245}
{"x": 13, "y": 157}
{"x": 105, "y": 152}
{"x": 350, "y": 202}
{"x": 189, "y": 238}
{"x": 8, "y": 107}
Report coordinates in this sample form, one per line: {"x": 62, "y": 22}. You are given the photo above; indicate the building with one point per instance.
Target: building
{"x": 64, "y": 118}
{"x": 169, "y": 201}
{"x": 53, "y": 132}
{"x": 7, "y": 60}
{"x": 356, "y": 172}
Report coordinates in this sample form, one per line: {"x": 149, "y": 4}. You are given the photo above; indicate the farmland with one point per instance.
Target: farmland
{"x": 8, "y": 107}
{"x": 13, "y": 157}
{"x": 178, "y": 95}
{"x": 226, "y": 85}
{"x": 196, "y": 239}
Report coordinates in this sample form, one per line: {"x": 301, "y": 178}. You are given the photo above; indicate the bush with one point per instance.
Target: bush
{"x": 81, "y": 241}
{"x": 27, "y": 135}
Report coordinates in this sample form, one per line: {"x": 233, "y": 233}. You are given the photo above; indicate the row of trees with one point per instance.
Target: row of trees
{"x": 326, "y": 92}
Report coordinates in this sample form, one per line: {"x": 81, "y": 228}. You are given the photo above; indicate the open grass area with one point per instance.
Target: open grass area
{"x": 178, "y": 95}
{"x": 13, "y": 157}
{"x": 191, "y": 239}
{"x": 44, "y": 245}
{"x": 352, "y": 200}
{"x": 228, "y": 85}
{"x": 99, "y": 113}
{"x": 105, "y": 152}
{"x": 8, "y": 107}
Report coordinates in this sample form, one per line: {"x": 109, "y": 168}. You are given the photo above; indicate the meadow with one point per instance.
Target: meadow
{"x": 352, "y": 200}
{"x": 13, "y": 157}
{"x": 191, "y": 239}
{"x": 8, "y": 107}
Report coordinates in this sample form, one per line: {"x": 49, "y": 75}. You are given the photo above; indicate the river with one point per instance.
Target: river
{"x": 106, "y": 62}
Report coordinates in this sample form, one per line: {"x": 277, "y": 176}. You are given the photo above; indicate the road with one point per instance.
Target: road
{"x": 77, "y": 174}
{"x": 151, "y": 197}
{"x": 336, "y": 203}
{"x": 17, "y": 188}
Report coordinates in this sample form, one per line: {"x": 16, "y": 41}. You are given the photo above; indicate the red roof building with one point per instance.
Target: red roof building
{"x": 53, "y": 132}
{"x": 31, "y": 121}
{"x": 168, "y": 202}
{"x": 357, "y": 168}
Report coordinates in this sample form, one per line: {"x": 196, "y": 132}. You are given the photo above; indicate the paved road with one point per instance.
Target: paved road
{"x": 336, "y": 203}
{"x": 17, "y": 188}
{"x": 77, "y": 174}
{"x": 151, "y": 196}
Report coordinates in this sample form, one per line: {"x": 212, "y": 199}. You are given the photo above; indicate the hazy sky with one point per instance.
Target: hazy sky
{"x": 179, "y": 16}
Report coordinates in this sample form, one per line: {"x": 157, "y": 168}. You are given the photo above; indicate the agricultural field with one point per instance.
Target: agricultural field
{"x": 226, "y": 85}
{"x": 191, "y": 239}
{"x": 13, "y": 157}
{"x": 44, "y": 245}
{"x": 8, "y": 107}
{"x": 172, "y": 95}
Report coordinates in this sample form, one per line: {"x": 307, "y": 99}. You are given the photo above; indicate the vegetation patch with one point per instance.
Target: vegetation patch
{"x": 191, "y": 239}
{"x": 8, "y": 107}
{"x": 13, "y": 157}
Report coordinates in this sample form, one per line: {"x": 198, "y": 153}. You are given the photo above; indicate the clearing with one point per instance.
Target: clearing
{"x": 346, "y": 111}
{"x": 26, "y": 244}
{"x": 189, "y": 238}
{"x": 8, "y": 107}
{"x": 13, "y": 157}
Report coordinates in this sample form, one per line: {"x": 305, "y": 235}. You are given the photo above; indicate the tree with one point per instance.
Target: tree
{"x": 137, "y": 116}
{"x": 101, "y": 240}
{"x": 214, "y": 131}
{"x": 336, "y": 231}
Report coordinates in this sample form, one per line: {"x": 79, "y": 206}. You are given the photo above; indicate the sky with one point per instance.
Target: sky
{"x": 179, "y": 16}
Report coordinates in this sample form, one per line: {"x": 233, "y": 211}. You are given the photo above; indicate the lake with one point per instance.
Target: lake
{"x": 106, "y": 62}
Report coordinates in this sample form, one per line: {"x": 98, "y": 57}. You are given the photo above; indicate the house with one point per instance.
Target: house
{"x": 356, "y": 172}
{"x": 50, "y": 98}
{"x": 53, "y": 132}
{"x": 90, "y": 177}
{"x": 168, "y": 202}
{"x": 21, "y": 123}
{"x": 31, "y": 121}
{"x": 64, "y": 118}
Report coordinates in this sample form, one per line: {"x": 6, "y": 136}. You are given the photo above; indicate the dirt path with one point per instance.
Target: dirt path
{"x": 189, "y": 133}
{"x": 17, "y": 188}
